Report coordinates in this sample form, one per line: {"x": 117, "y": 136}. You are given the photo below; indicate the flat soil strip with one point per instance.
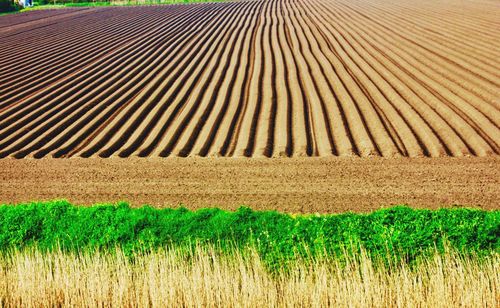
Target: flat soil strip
{"x": 296, "y": 185}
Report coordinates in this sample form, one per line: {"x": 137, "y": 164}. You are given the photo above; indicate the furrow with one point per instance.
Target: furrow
{"x": 277, "y": 78}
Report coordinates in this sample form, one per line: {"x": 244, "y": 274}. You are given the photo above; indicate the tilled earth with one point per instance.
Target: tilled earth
{"x": 264, "y": 78}
{"x": 297, "y": 185}
{"x": 320, "y": 105}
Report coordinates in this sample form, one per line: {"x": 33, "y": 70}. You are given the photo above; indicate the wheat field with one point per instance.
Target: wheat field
{"x": 205, "y": 278}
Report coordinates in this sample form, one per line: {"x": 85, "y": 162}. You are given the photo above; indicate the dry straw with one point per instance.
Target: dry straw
{"x": 206, "y": 278}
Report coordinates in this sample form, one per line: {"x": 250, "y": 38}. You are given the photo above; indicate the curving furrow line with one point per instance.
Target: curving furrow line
{"x": 74, "y": 83}
{"x": 253, "y": 79}
{"x": 469, "y": 138}
{"x": 113, "y": 134}
{"x": 119, "y": 79}
{"x": 482, "y": 117}
{"x": 36, "y": 57}
{"x": 67, "y": 64}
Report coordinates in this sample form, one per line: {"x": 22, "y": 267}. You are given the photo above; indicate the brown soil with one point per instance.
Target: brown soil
{"x": 336, "y": 79}
{"x": 264, "y": 78}
{"x": 295, "y": 185}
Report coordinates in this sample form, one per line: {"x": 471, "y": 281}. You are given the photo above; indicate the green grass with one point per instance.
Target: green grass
{"x": 60, "y": 5}
{"x": 57, "y": 5}
{"x": 132, "y": 3}
{"x": 394, "y": 234}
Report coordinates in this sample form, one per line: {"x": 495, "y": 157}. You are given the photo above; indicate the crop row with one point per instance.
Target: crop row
{"x": 253, "y": 78}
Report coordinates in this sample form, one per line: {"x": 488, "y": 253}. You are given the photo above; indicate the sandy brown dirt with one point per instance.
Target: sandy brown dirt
{"x": 337, "y": 79}
{"x": 265, "y": 78}
{"x": 293, "y": 185}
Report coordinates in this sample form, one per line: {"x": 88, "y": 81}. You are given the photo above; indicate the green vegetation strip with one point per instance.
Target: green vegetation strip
{"x": 61, "y": 4}
{"x": 399, "y": 232}
{"x": 11, "y": 7}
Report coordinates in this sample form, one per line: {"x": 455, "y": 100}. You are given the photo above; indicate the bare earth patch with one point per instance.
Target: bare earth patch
{"x": 295, "y": 185}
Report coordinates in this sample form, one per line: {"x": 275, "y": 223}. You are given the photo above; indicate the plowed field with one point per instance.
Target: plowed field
{"x": 296, "y": 185}
{"x": 254, "y": 78}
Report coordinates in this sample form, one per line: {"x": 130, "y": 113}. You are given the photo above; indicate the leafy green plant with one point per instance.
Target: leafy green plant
{"x": 398, "y": 234}
{"x": 8, "y": 6}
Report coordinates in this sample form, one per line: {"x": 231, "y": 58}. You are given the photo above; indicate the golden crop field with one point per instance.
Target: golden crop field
{"x": 204, "y": 278}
